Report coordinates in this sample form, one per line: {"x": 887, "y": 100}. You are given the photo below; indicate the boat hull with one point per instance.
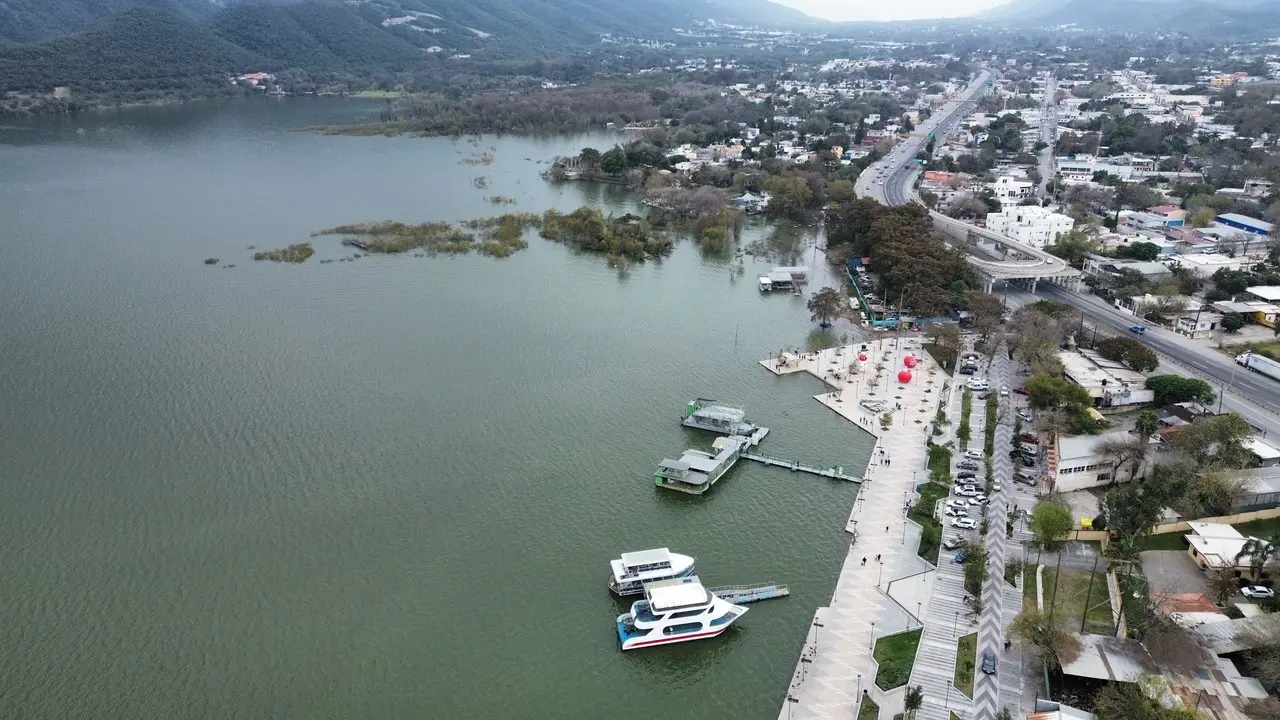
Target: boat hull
{"x": 638, "y": 643}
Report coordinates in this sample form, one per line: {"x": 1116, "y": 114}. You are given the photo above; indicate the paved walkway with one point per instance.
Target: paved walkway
{"x": 836, "y": 664}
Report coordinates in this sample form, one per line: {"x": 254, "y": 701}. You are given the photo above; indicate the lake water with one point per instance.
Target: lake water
{"x": 386, "y": 488}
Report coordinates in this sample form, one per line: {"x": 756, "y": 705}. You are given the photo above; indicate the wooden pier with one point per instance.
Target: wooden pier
{"x": 835, "y": 473}
{"x": 739, "y": 594}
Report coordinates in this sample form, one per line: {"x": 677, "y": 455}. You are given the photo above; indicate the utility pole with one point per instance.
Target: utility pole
{"x": 1088, "y": 594}
{"x": 1053, "y": 604}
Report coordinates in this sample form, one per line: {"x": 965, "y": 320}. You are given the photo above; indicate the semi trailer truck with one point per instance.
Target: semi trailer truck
{"x": 1260, "y": 364}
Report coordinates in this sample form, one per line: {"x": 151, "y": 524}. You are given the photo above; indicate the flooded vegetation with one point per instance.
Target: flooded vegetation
{"x": 496, "y": 236}
{"x": 296, "y": 253}
{"x": 587, "y": 228}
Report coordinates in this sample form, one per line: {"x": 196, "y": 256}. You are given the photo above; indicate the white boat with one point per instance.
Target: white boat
{"x": 673, "y": 611}
{"x": 634, "y": 569}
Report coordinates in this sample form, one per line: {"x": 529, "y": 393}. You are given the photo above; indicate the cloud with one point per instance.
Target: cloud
{"x": 881, "y": 10}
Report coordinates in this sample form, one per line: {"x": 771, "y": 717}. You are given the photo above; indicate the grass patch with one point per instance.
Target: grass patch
{"x": 1165, "y": 541}
{"x": 499, "y": 236}
{"x": 868, "y": 709}
{"x": 966, "y": 661}
{"x": 1267, "y": 349}
{"x": 944, "y": 357}
{"x": 1029, "y": 585}
{"x": 1066, "y": 593}
{"x": 1259, "y": 528}
{"x": 930, "y": 528}
{"x": 895, "y": 654}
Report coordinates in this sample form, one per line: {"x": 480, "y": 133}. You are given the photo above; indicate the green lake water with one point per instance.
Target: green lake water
{"x": 386, "y": 488}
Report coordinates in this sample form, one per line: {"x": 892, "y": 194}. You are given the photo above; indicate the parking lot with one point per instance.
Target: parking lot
{"x": 1172, "y": 572}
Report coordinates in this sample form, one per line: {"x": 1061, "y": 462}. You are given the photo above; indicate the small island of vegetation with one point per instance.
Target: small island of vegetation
{"x": 587, "y": 228}
{"x": 499, "y": 236}
{"x": 296, "y": 253}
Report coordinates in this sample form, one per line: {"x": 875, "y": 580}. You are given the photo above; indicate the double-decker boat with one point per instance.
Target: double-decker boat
{"x": 673, "y": 611}
{"x": 634, "y": 569}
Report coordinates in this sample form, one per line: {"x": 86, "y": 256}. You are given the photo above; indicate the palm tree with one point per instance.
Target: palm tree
{"x": 1259, "y": 552}
{"x": 1146, "y": 424}
{"x": 913, "y": 701}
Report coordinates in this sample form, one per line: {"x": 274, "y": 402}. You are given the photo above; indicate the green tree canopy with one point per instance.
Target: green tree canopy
{"x": 1215, "y": 442}
{"x": 1051, "y": 522}
{"x": 1175, "y": 389}
{"x": 1130, "y": 352}
{"x": 1232, "y": 321}
{"x": 1046, "y": 392}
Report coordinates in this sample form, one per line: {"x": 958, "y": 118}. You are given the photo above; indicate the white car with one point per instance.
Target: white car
{"x": 967, "y": 492}
{"x": 1026, "y": 415}
{"x": 996, "y": 487}
{"x": 955, "y": 501}
{"x": 977, "y": 500}
{"x": 1251, "y": 591}
{"x": 972, "y": 455}
{"x": 978, "y": 384}
{"x": 957, "y": 512}
{"x": 964, "y": 523}
{"x": 1004, "y": 390}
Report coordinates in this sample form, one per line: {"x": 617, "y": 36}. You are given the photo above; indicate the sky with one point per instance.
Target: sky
{"x": 889, "y": 9}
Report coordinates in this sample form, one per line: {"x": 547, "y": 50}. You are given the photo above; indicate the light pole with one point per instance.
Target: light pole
{"x": 946, "y": 704}
{"x": 816, "y": 626}
{"x": 919, "y": 619}
{"x": 873, "y": 636}
{"x": 880, "y": 575}
{"x": 791, "y": 700}
{"x": 804, "y": 667}
{"x": 955, "y": 623}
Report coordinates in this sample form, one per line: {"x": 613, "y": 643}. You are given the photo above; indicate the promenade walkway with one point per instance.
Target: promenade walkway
{"x": 836, "y": 667}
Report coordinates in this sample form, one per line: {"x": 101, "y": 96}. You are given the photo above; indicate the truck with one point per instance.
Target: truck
{"x": 1260, "y": 364}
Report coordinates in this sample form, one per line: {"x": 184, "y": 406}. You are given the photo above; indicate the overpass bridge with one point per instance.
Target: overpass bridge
{"x": 994, "y": 256}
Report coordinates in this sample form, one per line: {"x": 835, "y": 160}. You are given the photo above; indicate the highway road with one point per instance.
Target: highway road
{"x": 890, "y": 181}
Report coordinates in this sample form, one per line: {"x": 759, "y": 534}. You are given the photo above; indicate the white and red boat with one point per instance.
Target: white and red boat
{"x": 675, "y": 610}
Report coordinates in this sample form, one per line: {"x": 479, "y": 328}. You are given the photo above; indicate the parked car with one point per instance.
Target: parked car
{"x": 1026, "y": 416}
{"x": 972, "y": 455}
{"x": 952, "y": 543}
{"x": 964, "y": 523}
{"x": 977, "y": 500}
{"x": 956, "y": 511}
{"x": 968, "y": 370}
{"x": 989, "y": 662}
{"x": 1004, "y": 391}
{"x": 1020, "y": 391}
{"x": 956, "y": 501}
{"x": 967, "y": 465}
{"x": 1025, "y": 479}
{"x": 1029, "y": 438}
{"x": 978, "y": 384}
{"x": 996, "y": 487}
{"x": 967, "y": 492}
{"x": 966, "y": 475}
{"x": 959, "y": 558}
{"x": 1257, "y": 591}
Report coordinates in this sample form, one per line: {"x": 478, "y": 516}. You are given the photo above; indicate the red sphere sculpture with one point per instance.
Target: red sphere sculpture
{"x": 862, "y": 357}
{"x": 904, "y": 376}
{"x": 910, "y": 361}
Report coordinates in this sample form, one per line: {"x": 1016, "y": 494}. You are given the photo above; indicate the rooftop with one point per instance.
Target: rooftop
{"x": 1081, "y": 446}
{"x": 677, "y": 592}
{"x": 646, "y": 557}
{"x": 1246, "y": 220}
{"x": 1266, "y": 292}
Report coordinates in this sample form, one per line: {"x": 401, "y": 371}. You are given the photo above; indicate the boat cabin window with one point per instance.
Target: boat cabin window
{"x": 688, "y": 613}
{"x": 649, "y": 566}
{"x": 681, "y": 629}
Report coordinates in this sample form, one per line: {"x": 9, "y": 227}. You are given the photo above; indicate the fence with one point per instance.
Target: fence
{"x": 1184, "y": 525}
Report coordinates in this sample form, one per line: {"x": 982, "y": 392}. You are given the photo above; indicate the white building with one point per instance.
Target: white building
{"x": 1007, "y": 188}
{"x": 1030, "y": 225}
{"x": 1109, "y": 382}
{"x": 1076, "y": 463}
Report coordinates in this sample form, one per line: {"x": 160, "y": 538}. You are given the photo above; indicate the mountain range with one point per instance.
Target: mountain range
{"x": 1141, "y": 15}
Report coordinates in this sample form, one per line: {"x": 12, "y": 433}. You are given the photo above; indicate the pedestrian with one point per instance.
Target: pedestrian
{"x": 886, "y": 528}
{"x": 864, "y": 561}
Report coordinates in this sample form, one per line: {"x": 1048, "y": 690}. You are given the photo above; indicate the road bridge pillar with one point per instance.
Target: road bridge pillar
{"x": 1033, "y": 284}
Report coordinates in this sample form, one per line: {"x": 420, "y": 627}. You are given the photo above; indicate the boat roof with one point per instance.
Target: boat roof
{"x": 674, "y": 593}
{"x": 721, "y": 412}
{"x": 646, "y": 557}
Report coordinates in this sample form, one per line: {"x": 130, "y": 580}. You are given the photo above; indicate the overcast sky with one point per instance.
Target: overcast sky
{"x": 889, "y": 9}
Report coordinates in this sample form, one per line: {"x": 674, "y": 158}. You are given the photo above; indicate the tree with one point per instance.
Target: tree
{"x": 1046, "y": 392}
{"x": 1212, "y": 494}
{"x": 913, "y": 701}
{"x": 826, "y": 304}
{"x": 1203, "y": 217}
{"x": 1072, "y": 247}
{"x": 1130, "y": 510}
{"x": 1137, "y": 251}
{"x": 1052, "y": 644}
{"x": 614, "y": 161}
{"x": 1222, "y": 584}
{"x": 1259, "y": 552}
{"x": 1130, "y": 352}
{"x": 1051, "y": 522}
{"x": 1139, "y": 701}
{"x": 1232, "y": 321}
{"x": 1215, "y": 442}
{"x": 1146, "y": 424}
{"x": 714, "y": 239}
{"x": 1175, "y": 389}
{"x": 840, "y": 191}
{"x": 986, "y": 311}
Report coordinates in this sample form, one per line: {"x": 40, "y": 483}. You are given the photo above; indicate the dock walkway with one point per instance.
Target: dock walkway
{"x": 739, "y": 594}
{"x": 835, "y": 473}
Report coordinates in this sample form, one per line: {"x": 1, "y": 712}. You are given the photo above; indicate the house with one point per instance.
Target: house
{"x": 1109, "y": 383}
{"x": 1007, "y": 188}
{"x": 1174, "y": 216}
{"x": 1076, "y": 462}
{"x": 1152, "y": 271}
{"x": 1199, "y": 325}
{"x": 1263, "y": 313}
{"x": 1030, "y": 224}
{"x": 1206, "y": 264}
{"x": 1261, "y": 489}
{"x": 1245, "y": 223}
{"x": 1214, "y": 546}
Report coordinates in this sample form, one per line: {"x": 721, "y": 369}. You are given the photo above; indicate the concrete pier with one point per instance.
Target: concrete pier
{"x": 872, "y": 598}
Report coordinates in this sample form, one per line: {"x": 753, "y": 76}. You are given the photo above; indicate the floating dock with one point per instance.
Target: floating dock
{"x": 709, "y": 415}
{"x": 739, "y": 594}
{"x": 835, "y": 473}
{"x": 696, "y": 471}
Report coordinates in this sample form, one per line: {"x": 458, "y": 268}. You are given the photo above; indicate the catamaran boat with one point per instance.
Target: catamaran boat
{"x": 675, "y": 611}
{"x": 634, "y": 569}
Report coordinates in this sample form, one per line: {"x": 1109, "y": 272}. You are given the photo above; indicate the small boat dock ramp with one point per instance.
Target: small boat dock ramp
{"x": 739, "y": 594}
{"x": 704, "y": 414}
{"x": 784, "y": 278}
{"x": 696, "y": 471}
{"x": 835, "y": 473}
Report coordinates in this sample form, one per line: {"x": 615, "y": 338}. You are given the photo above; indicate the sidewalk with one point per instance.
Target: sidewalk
{"x": 836, "y": 664}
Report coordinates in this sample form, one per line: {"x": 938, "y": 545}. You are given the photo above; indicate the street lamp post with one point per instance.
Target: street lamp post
{"x": 873, "y": 636}
{"x": 804, "y": 668}
{"x": 955, "y": 624}
{"x": 880, "y": 575}
{"x": 816, "y": 626}
{"x": 791, "y": 700}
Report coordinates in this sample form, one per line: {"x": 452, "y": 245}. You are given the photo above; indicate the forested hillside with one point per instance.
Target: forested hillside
{"x": 24, "y": 21}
